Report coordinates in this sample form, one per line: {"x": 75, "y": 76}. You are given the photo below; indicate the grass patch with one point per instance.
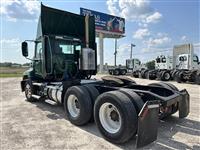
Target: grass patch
{"x": 6, "y": 72}
{"x": 8, "y": 75}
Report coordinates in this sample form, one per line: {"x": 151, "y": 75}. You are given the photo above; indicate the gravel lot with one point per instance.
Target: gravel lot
{"x": 42, "y": 125}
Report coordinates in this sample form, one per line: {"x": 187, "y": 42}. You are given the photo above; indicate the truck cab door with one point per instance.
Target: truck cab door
{"x": 38, "y": 59}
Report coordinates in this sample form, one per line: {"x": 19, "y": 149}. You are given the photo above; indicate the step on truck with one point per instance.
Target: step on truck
{"x": 65, "y": 53}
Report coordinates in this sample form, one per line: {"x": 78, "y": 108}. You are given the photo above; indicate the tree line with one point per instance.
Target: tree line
{"x": 10, "y": 64}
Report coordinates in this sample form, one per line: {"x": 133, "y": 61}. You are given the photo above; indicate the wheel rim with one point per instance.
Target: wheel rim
{"x": 73, "y": 106}
{"x": 110, "y": 118}
{"x": 28, "y": 91}
{"x": 167, "y": 76}
{"x": 116, "y": 72}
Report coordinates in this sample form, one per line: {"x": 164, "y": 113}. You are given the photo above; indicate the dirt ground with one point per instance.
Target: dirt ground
{"x": 41, "y": 125}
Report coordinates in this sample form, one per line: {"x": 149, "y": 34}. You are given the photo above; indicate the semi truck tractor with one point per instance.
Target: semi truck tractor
{"x": 134, "y": 66}
{"x": 163, "y": 68}
{"x": 186, "y": 71}
{"x": 186, "y": 64}
{"x": 65, "y": 53}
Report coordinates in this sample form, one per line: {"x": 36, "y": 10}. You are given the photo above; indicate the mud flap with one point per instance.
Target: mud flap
{"x": 184, "y": 104}
{"x": 147, "y": 124}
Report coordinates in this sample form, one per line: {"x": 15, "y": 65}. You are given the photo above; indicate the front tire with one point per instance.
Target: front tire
{"x": 115, "y": 116}
{"x": 29, "y": 90}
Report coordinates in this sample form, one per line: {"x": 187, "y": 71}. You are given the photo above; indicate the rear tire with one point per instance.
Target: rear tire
{"x": 135, "y": 98}
{"x": 116, "y": 72}
{"x": 179, "y": 77}
{"x": 123, "y": 72}
{"x": 115, "y": 116}
{"x": 173, "y": 74}
{"x": 78, "y": 105}
{"x": 165, "y": 76}
{"x": 161, "y": 84}
{"x": 144, "y": 74}
{"x": 94, "y": 93}
{"x": 173, "y": 87}
{"x": 197, "y": 78}
{"x": 170, "y": 87}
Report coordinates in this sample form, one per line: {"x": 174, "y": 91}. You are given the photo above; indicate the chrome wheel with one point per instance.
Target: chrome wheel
{"x": 110, "y": 118}
{"x": 73, "y": 106}
{"x": 167, "y": 76}
{"x": 28, "y": 91}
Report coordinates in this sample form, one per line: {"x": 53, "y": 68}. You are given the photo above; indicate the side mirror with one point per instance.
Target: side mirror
{"x": 25, "y": 49}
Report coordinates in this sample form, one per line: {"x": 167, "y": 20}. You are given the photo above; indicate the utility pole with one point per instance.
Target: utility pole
{"x": 132, "y": 45}
{"x": 115, "y": 53}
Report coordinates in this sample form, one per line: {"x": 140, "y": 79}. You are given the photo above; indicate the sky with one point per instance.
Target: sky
{"x": 154, "y": 26}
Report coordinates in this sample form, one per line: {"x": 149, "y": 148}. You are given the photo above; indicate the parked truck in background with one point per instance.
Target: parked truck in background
{"x": 186, "y": 70}
{"x": 119, "y": 70}
{"x": 186, "y": 64}
{"x": 134, "y": 66}
{"x": 65, "y": 53}
{"x": 163, "y": 68}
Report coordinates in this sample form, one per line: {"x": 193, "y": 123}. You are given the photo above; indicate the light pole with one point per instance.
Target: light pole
{"x": 132, "y": 45}
{"x": 115, "y": 53}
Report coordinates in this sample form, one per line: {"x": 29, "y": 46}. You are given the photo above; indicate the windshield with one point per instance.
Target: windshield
{"x": 158, "y": 60}
{"x": 182, "y": 58}
{"x": 164, "y": 60}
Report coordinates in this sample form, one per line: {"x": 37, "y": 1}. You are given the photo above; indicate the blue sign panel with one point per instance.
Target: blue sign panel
{"x": 105, "y": 22}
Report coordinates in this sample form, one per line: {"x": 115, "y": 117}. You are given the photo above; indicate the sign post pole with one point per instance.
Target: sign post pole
{"x": 101, "y": 52}
{"x": 115, "y": 52}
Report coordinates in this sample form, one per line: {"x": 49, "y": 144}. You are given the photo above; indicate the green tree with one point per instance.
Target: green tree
{"x": 150, "y": 65}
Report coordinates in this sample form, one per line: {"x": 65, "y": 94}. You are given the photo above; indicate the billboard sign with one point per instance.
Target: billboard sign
{"x": 106, "y": 23}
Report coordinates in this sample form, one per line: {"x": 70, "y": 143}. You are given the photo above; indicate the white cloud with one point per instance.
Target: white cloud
{"x": 197, "y": 44}
{"x": 123, "y": 48}
{"x": 134, "y": 10}
{"x": 183, "y": 38}
{"x": 158, "y": 41}
{"x": 154, "y": 18}
{"x": 13, "y": 42}
{"x": 141, "y": 33}
{"x": 141, "y": 24}
{"x": 20, "y": 9}
{"x": 112, "y": 7}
